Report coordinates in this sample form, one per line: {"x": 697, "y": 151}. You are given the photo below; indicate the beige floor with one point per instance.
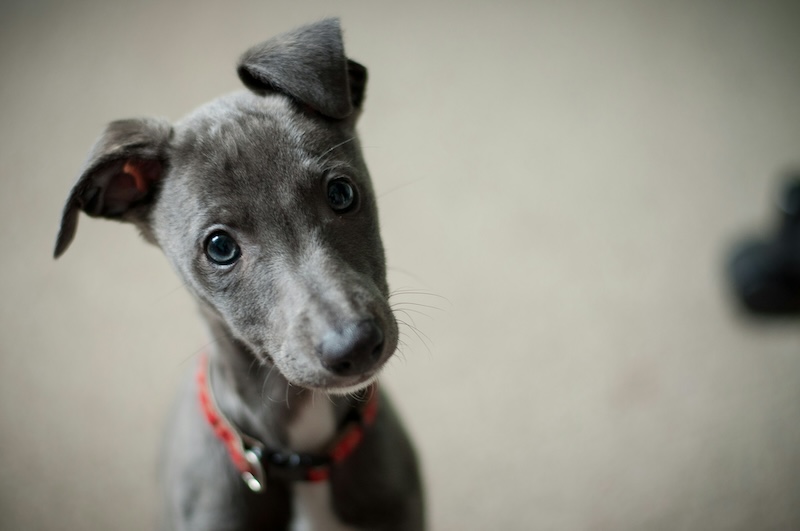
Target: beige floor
{"x": 568, "y": 176}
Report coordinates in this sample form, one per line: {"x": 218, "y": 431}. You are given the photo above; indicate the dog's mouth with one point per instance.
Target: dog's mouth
{"x": 347, "y": 388}
{"x": 320, "y": 379}
{"x": 306, "y": 370}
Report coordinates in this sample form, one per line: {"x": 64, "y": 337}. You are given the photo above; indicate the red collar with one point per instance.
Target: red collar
{"x": 252, "y": 459}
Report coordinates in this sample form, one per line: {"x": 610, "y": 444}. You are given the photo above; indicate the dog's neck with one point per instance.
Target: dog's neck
{"x": 261, "y": 403}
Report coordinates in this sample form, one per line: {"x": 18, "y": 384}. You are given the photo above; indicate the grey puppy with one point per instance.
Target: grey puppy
{"x": 262, "y": 203}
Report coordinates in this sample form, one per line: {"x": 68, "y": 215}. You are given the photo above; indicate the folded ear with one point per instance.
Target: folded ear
{"x": 119, "y": 177}
{"x": 307, "y": 64}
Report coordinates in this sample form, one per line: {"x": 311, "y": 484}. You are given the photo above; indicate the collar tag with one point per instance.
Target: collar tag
{"x": 254, "y": 478}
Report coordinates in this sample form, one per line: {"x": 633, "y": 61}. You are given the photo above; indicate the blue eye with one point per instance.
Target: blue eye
{"x": 341, "y": 195}
{"x": 222, "y": 249}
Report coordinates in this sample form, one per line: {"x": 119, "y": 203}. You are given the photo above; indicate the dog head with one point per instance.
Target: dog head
{"x": 263, "y": 204}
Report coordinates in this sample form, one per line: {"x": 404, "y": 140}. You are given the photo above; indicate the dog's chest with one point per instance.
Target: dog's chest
{"x": 310, "y": 431}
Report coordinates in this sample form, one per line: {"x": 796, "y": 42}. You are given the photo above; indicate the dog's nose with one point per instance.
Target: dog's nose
{"x": 353, "y": 349}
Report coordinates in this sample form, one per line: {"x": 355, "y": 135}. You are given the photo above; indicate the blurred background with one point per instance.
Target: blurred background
{"x": 566, "y": 179}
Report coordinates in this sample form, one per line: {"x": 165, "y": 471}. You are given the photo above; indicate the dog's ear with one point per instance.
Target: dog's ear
{"x": 119, "y": 177}
{"x": 307, "y": 64}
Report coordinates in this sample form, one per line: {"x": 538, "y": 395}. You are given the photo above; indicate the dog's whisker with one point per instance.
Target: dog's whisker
{"x": 264, "y": 388}
{"x": 400, "y": 353}
{"x": 256, "y": 363}
{"x": 398, "y": 303}
{"x": 401, "y": 322}
{"x": 407, "y": 273}
{"x": 163, "y": 296}
{"x": 410, "y": 291}
{"x": 401, "y": 304}
{"x": 401, "y": 186}
{"x": 403, "y": 295}
{"x": 408, "y": 315}
{"x": 198, "y": 351}
{"x": 330, "y": 150}
{"x": 408, "y": 311}
{"x": 411, "y": 325}
{"x": 426, "y": 341}
{"x": 330, "y": 398}
{"x": 423, "y": 337}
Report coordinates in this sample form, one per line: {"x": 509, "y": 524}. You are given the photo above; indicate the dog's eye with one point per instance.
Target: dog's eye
{"x": 341, "y": 195}
{"x": 222, "y": 249}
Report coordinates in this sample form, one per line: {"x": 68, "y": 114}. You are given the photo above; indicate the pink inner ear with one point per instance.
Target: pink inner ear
{"x": 131, "y": 184}
{"x": 144, "y": 172}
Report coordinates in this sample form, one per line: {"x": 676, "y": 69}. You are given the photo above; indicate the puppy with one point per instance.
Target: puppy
{"x": 263, "y": 205}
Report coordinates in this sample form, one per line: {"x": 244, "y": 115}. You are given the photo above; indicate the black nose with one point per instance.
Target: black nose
{"x": 352, "y": 350}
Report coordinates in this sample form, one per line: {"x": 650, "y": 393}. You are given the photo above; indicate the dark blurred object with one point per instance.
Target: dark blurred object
{"x": 766, "y": 273}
